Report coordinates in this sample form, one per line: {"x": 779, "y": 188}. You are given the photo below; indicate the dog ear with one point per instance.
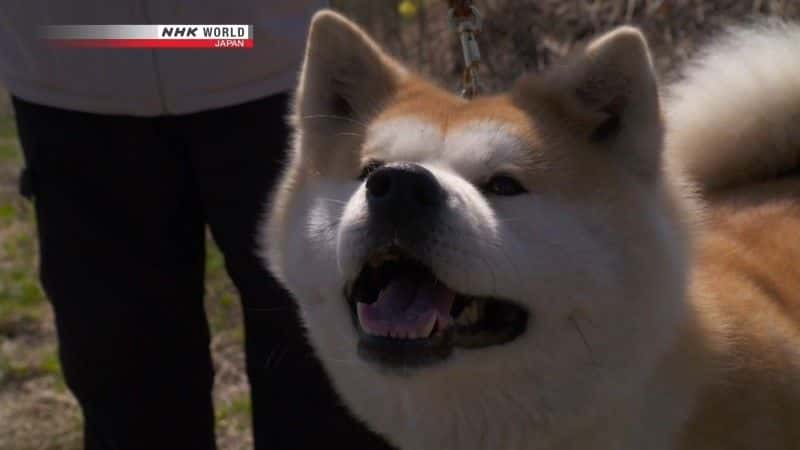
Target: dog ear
{"x": 606, "y": 95}
{"x": 345, "y": 77}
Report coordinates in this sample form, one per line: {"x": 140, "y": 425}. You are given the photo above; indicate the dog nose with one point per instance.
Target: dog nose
{"x": 403, "y": 191}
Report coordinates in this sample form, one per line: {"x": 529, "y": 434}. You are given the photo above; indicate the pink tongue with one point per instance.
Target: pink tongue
{"x": 408, "y": 307}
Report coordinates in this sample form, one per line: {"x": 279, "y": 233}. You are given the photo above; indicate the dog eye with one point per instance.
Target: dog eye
{"x": 503, "y": 185}
{"x": 368, "y": 168}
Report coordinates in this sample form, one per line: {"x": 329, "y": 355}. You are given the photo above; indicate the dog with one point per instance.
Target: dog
{"x": 588, "y": 261}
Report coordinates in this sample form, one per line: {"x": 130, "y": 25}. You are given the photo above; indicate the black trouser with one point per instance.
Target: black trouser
{"x": 122, "y": 203}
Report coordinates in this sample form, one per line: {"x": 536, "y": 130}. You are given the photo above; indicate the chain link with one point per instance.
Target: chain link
{"x": 467, "y": 22}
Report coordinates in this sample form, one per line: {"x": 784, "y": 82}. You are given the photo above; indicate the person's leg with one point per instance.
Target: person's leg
{"x": 122, "y": 256}
{"x": 237, "y": 154}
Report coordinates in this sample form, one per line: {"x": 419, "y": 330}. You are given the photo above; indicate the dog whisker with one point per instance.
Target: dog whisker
{"x": 335, "y": 117}
{"x": 349, "y": 133}
{"x": 333, "y": 200}
{"x": 574, "y": 321}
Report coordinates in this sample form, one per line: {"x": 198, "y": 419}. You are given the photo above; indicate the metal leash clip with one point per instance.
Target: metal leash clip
{"x": 466, "y": 20}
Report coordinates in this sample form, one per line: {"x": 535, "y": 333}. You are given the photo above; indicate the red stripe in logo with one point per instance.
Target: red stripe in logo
{"x": 152, "y": 43}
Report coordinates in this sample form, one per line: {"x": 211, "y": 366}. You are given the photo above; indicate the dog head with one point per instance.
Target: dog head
{"x": 475, "y": 273}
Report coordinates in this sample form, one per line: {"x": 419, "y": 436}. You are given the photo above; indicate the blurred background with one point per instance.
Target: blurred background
{"x": 37, "y": 411}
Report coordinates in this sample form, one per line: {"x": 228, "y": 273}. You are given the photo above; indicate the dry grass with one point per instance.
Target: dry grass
{"x": 37, "y": 411}
{"x": 528, "y": 35}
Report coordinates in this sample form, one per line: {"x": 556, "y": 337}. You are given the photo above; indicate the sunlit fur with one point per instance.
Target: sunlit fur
{"x": 641, "y": 334}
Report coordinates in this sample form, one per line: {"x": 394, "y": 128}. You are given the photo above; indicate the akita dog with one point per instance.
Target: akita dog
{"x": 576, "y": 264}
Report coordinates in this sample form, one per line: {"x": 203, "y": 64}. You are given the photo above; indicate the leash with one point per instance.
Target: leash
{"x": 466, "y": 21}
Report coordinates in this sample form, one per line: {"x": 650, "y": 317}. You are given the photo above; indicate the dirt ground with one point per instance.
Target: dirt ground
{"x": 36, "y": 409}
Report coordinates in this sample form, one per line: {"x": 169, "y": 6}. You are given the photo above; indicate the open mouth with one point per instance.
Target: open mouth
{"x": 406, "y": 317}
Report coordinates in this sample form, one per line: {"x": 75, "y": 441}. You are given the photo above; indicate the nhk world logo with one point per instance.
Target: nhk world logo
{"x": 150, "y": 36}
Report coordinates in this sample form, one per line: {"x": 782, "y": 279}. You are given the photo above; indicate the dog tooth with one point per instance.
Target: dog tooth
{"x": 359, "y": 312}
{"x": 469, "y": 315}
{"x": 426, "y": 330}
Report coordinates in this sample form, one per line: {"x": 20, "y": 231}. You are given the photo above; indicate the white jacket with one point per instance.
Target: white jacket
{"x": 147, "y": 82}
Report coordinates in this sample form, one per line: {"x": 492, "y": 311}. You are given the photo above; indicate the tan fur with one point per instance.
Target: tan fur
{"x": 690, "y": 303}
{"x": 746, "y": 283}
{"x": 734, "y": 133}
